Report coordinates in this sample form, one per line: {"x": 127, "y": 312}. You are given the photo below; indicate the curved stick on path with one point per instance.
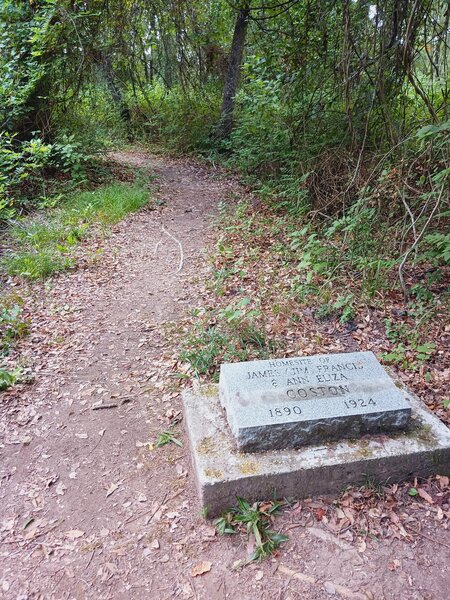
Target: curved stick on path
{"x": 180, "y": 266}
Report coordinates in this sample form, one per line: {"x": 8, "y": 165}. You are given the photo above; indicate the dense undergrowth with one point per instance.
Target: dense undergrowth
{"x": 339, "y": 124}
{"x": 278, "y": 289}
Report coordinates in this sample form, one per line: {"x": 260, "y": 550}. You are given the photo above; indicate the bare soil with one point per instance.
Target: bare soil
{"x": 89, "y": 507}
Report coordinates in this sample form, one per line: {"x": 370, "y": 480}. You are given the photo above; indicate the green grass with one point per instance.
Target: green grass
{"x": 44, "y": 244}
{"x": 167, "y": 437}
{"x": 36, "y": 264}
{"x": 255, "y": 520}
{"x": 205, "y": 348}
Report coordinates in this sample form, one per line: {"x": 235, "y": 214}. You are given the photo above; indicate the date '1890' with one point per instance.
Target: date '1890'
{"x": 285, "y": 411}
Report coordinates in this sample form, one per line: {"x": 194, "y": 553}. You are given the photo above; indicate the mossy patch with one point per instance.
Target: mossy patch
{"x": 213, "y": 473}
{"x": 364, "y": 449}
{"x": 248, "y": 467}
{"x": 207, "y": 446}
{"x": 422, "y": 432}
{"x": 209, "y": 391}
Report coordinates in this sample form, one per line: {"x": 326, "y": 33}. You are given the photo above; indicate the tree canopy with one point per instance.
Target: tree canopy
{"x": 324, "y": 96}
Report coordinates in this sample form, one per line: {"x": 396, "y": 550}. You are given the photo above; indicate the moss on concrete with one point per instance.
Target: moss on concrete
{"x": 209, "y": 390}
{"x": 248, "y": 467}
{"x": 207, "y": 446}
{"x": 213, "y": 473}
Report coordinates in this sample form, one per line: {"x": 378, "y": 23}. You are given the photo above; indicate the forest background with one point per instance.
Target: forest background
{"x": 335, "y": 112}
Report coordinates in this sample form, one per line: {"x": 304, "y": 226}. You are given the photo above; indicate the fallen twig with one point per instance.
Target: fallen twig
{"x": 413, "y": 247}
{"x": 101, "y": 406}
{"x": 180, "y": 266}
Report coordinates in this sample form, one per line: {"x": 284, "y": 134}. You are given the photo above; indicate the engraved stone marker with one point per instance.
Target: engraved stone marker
{"x": 286, "y": 403}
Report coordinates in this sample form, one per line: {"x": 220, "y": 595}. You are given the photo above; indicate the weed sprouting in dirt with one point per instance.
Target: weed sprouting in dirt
{"x": 234, "y": 332}
{"x": 167, "y": 437}
{"x": 12, "y": 325}
{"x": 8, "y": 378}
{"x": 255, "y": 520}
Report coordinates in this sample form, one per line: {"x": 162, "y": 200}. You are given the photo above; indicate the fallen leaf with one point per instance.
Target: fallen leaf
{"x": 329, "y": 588}
{"x": 60, "y": 489}
{"x": 74, "y": 534}
{"x": 172, "y": 514}
{"x": 320, "y": 513}
{"x": 394, "y": 565}
{"x": 426, "y": 496}
{"x": 200, "y": 568}
{"x": 443, "y": 481}
{"x": 112, "y": 488}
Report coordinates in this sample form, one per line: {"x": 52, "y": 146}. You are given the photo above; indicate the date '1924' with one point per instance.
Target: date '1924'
{"x": 360, "y": 403}
{"x": 287, "y": 411}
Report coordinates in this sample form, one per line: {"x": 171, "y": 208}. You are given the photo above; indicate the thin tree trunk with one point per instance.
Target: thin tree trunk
{"x": 113, "y": 86}
{"x": 234, "y": 68}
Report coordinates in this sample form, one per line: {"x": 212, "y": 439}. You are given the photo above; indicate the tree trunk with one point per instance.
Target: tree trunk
{"x": 234, "y": 68}
{"x": 114, "y": 87}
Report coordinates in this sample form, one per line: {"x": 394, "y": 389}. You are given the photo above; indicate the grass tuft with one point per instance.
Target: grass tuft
{"x": 255, "y": 519}
{"x": 44, "y": 244}
{"x": 36, "y": 264}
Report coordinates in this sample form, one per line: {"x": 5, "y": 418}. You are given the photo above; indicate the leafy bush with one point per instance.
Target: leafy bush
{"x": 181, "y": 119}
{"x": 23, "y": 165}
{"x": 20, "y": 162}
{"x": 12, "y": 326}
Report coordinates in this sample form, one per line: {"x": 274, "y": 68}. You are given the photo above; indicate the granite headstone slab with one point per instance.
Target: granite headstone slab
{"x": 289, "y": 402}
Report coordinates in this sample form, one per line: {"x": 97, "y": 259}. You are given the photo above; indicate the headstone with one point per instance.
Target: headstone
{"x": 287, "y": 403}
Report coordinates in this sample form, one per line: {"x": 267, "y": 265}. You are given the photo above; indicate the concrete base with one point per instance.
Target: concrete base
{"x": 222, "y": 473}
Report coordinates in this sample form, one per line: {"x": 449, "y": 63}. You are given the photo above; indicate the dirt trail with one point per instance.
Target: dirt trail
{"x": 87, "y": 508}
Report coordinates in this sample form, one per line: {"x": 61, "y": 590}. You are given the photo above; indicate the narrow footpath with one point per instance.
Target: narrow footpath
{"x": 89, "y": 507}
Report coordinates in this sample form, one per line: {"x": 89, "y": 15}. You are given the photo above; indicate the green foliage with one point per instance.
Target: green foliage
{"x": 438, "y": 248}
{"x": 8, "y": 378}
{"x": 343, "y": 306}
{"x": 45, "y": 245}
{"x": 255, "y": 519}
{"x": 19, "y": 164}
{"x": 23, "y": 165}
{"x": 167, "y": 437}
{"x": 36, "y": 264}
{"x": 410, "y": 347}
{"x": 235, "y": 313}
{"x": 237, "y": 334}
{"x": 12, "y": 326}
{"x": 26, "y": 35}
{"x": 182, "y": 119}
